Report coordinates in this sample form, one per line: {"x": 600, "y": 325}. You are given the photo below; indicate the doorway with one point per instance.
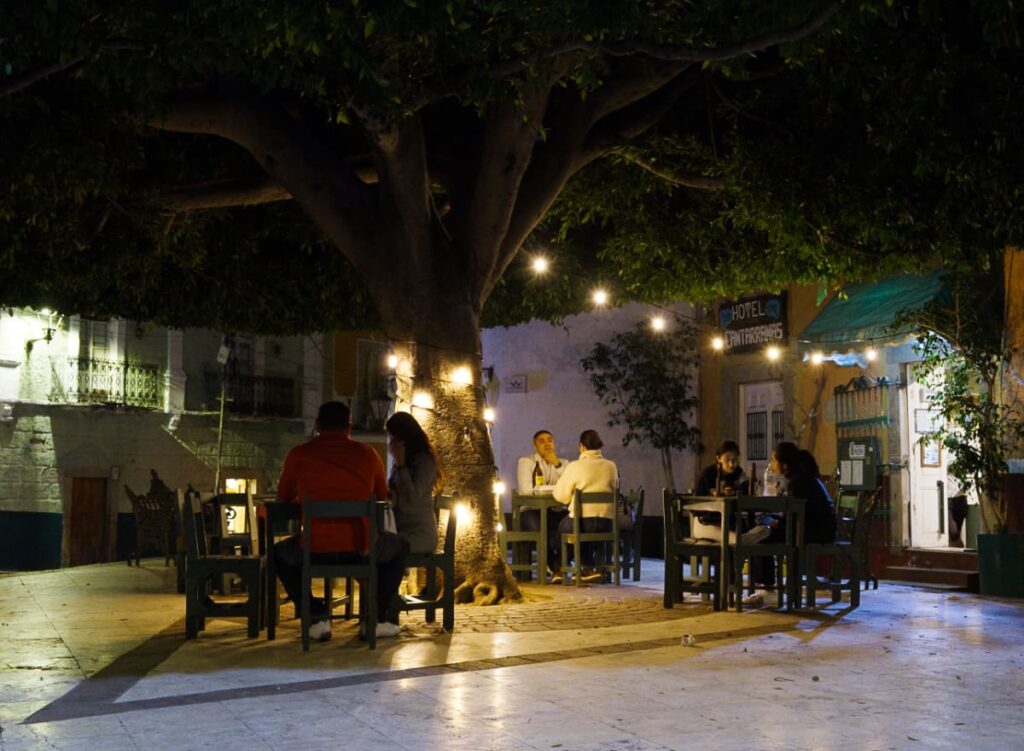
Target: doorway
{"x": 926, "y": 464}
{"x": 762, "y": 425}
{"x": 88, "y": 526}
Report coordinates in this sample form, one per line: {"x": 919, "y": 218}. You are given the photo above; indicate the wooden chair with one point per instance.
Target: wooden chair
{"x": 154, "y": 524}
{"x": 519, "y": 539}
{"x": 442, "y": 559}
{"x": 200, "y": 566}
{"x": 631, "y": 540}
{"x": 704, "y": 556}
{"x": 849, "y": 551}
{"x": 577, "y": 538}
{"x": 363, "y": 568}
{"x": 785, "y": 552}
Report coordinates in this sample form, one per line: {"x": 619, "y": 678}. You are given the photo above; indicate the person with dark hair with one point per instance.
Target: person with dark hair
{"x": 591, "y": 473}
{"x": 803, "y": 481}
{"x": 415, "y": 478}
{"x": 537, "y": 475}
{"x": 334, "y": 467}
{"x": 724, "y": 477}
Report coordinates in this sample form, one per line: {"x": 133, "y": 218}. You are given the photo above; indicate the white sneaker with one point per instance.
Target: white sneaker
{"x": 320, "y": 631}
{"x": 386, "y": 629}
{"x": 755, "y": 600}
{"x": 754, "y": 535}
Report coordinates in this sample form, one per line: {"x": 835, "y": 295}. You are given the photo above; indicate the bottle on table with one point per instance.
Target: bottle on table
{"x": 538, "y": 475}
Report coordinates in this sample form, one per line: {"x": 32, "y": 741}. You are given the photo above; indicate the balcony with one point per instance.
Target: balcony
{"x": 262, "y": 396}
{"x": 88, "y": 381}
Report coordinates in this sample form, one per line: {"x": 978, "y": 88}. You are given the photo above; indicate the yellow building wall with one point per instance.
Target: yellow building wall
{"x": 807, "y": 388}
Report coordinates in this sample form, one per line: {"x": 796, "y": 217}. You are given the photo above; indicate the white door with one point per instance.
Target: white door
{"x": 927, "y": 467}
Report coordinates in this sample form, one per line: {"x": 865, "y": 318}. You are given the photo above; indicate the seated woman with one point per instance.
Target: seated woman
{"x": 415, "y": 477}
{"x": 591, "y": 473}
{"x": 724, "y": 477}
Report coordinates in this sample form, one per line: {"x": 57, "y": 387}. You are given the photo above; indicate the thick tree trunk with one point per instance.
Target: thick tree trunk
{"x": 432, "y": 372}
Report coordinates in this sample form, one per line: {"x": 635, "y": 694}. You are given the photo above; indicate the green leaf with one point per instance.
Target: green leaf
{"x": 368, "y": 27}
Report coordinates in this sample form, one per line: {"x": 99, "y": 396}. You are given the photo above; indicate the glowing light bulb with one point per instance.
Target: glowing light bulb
{"x": 870, "y": 355}
{"x": 600, "y": 297}
{"x": 46, "y": 312}
{"x": 658, "y": 323}
{"x": 817, "y": 358}
{"x": 489, "y": 414}
{"x": 540, "y": 265}
{"x": 498, "y": 487}
{"x": 392, "y": 362}
{"x": 499, "y": 527}
{"x": 463, "y": 513}
{"x": 773, "y": 353}
{"x": 717, "y": 344}
{"x": 462, "y": 375}
{"x": 423, "y": 400}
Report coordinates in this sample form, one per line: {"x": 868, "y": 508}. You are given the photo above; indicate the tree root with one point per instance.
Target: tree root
{"x": 480, "y": 590}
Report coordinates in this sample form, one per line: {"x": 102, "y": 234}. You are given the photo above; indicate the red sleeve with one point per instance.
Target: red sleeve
{"x": 287, "y": 486}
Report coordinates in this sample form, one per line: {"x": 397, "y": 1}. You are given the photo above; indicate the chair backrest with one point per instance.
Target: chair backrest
{"x": 633, "y": 504}
{"x": 238, "y": 518}
{"x": 444, "y": 502}
{"x": 670, "y": 510}
{"x": 191, "y": 509}
{"x": 866, "y": 502}
{"x": 580, "y": 500}
{"x": 369, "y": 509}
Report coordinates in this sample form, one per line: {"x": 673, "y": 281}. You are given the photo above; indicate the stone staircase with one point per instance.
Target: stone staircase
{"x": 946, "y": 568}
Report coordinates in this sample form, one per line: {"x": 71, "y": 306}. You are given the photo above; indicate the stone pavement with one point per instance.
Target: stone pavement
{"x": 94, "y": 658}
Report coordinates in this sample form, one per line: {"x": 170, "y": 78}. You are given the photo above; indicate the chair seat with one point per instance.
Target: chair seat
{"x": 443, "y": 560}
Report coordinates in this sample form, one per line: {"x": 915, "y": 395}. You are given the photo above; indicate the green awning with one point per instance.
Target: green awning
{"x": 865, "y": 314}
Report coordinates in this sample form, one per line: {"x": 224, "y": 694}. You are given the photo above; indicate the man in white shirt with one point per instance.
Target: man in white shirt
{"x": 537, "y": 475}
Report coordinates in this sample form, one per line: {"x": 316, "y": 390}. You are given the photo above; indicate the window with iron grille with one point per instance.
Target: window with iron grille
{"x": 757, "y": 435}
{"x": 778, "y": 428}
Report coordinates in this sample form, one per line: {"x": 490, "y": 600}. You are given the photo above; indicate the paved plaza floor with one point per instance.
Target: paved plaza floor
{"x": 95, "y": 658}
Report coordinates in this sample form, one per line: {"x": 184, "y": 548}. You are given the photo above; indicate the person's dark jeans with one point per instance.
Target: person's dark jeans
{"x": 588, "y": 550}
{"x": 529, "y": 521}
{"x": 762, "y": 568}
{"x": 391, "y": 554}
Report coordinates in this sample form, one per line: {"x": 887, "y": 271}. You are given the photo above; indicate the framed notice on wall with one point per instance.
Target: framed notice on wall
{"x": 931, "y": 454}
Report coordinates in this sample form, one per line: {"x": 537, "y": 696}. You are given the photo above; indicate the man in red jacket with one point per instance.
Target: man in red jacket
{"x": 333, "y": 467}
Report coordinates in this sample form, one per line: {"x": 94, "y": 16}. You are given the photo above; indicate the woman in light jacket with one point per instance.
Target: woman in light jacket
{"x": 415, "y": 477}
{"x": 591, "y": 473}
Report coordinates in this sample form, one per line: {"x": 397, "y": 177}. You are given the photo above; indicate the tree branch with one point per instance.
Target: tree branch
{"x": 322, "y": 183}
{"x": 220, "y": 194}
{"x": 46, "y": 70}
{"x": 700, "y": 182}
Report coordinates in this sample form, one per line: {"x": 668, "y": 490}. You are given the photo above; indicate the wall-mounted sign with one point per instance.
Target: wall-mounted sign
{"x": 516, "y": 384}
{"x": 753, "y": 322}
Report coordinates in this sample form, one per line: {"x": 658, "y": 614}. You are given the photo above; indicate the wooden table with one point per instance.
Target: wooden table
{"x": 516, "y": 535}
{"x": 275, "y": 522}
{"x": 732, "y": 510}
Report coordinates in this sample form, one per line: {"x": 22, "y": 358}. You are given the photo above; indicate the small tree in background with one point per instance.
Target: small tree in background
{"x": 647, "y": 379}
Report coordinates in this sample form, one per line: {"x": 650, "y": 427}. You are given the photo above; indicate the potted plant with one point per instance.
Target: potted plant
{"x": 964, "y": 356}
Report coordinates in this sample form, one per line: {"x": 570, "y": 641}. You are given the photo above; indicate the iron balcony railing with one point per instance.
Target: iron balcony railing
{"x": 253, "y": 395}
{"x": 82, "y": 380}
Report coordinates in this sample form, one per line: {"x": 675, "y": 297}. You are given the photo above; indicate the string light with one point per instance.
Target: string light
{"x": 498, "y": 487}
{"x": 870, "y": 355}
{"x": 392, "y": 362}
{"x": 499, "y": 527}
{"x": 489, "y": 414}
{"x": 600, "y": 296}
{"x": 463, "y": 513}
{"x": 540, "y": 265}
{"x": 773, "y": 353}
{"x": 717, "y": 344}
{"x": 423, "y": 400}
{"x": 658, "y": 323}
{"x": 817, "y": 358}
{"x": 462, "y": 375}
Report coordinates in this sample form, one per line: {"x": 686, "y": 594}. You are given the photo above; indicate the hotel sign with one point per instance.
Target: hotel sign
{"x": 753, "y": 322}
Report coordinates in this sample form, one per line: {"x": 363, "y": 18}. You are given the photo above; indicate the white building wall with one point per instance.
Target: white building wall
{"x": 559, "y": 398}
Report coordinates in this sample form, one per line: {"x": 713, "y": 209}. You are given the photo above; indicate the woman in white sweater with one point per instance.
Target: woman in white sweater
{"x": 591, "y": 473}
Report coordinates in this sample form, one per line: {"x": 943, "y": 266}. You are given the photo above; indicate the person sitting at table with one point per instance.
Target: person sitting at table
{"x": 536, "y": 475}
{"x": 802, "y": 480}
{"x": 332, "y": 466}
{"x": 723, "y": 478}
{"x": 415, "y": 478}
{"x": 591, "y": 473}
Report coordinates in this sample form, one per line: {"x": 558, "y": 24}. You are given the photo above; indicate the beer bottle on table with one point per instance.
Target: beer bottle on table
{"x": 538, "y": 475}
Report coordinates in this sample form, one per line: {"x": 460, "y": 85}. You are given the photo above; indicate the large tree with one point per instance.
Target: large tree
{"x": 150, "y": 148}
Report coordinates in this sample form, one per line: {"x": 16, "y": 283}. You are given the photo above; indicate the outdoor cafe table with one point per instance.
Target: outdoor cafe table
{"x": 522, "y": 503}
{"x": 732, "y": 510}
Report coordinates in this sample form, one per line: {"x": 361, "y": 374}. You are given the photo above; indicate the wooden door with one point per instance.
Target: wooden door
{"x": 88, "y": 523}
